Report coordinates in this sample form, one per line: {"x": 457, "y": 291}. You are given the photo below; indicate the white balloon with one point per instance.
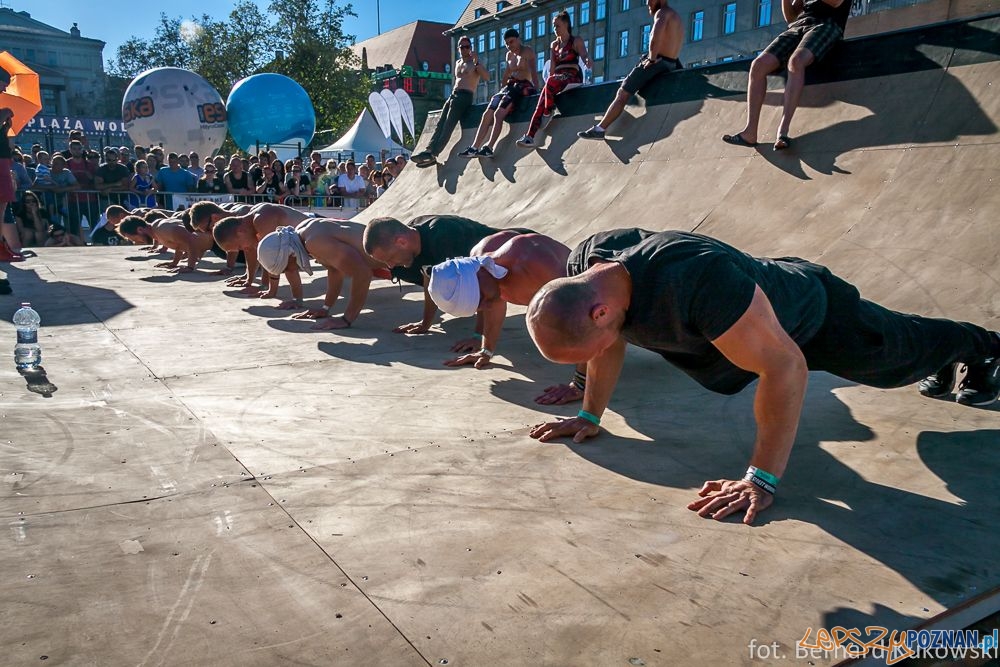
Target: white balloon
{"x": 174, "y": 108}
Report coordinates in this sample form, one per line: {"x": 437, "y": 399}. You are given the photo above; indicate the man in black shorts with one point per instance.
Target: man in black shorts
{"x": 411, "y": 250}
{"x": 665, "y": 40}
{"x": 814, "y": 27}
{"x": 726, "y": 318}
{"x": 520, "y": 81}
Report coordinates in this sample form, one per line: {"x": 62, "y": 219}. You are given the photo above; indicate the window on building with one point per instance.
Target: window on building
{"x": 645, "y": 38}
{"x": 599, "y": 79}
{"x": 31, "y": 55}
{"x": 50, "y": 104}
{"x": 602, "y": 10}
{"x": 763, "y": 13}
{"x": 572, "y": 15}
{"x": 698, "y": 26}
{"x": 729, "y": 18}
{"x": 481, "y": 44}
{"x": 625, "y": 5}
{"x": 493, "y": 39}
{"x": 501, "y": 5}
{"x": 480, "y": 13}
{"x": 585, "y": 12}
{"x": 539, "y": 61}
{"x": 541, "y": 26}
{"x": 528, "y": 29}
{"x": 599, "y": 48}
{"x": 623, "y": 43}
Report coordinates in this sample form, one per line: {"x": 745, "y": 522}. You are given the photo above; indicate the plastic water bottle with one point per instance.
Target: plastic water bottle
{"x": 27, "y": 352}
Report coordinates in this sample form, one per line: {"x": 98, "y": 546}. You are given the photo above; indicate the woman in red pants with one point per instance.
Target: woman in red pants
{"x": 564, "y": 70}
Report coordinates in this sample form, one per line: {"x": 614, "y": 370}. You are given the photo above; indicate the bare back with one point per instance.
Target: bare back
{"x": 322, "y": 235}
{"x": 532, "y": 260}
{"x": 667, "y": 35}
{"x": 268, "y": 217}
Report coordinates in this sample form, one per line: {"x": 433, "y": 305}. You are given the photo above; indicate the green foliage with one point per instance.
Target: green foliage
{"x": 302, "y": 39}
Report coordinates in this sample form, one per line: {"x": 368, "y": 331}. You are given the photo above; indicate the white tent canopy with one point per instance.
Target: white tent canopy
{"x": 363, "y": 138}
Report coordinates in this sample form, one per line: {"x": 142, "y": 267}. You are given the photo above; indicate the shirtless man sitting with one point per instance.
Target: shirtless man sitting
{"x": 337, "y": 245}
{"x": 168, "y": 233}
{"x": 520, "y": 81}
{"x": 468, "y": 72}
{"x": 665, "y": 41}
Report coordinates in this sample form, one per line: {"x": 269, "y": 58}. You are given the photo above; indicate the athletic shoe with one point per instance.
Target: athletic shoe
{"x": 940, "y": 384}
{"x": 981, "y": 384}
{"x": 592, "y": 133}
{"x": 526, "y": 142}
{"x": 8, "y": 255}
{"x": 469, "y": 152}
{"x": 485, "y": 151}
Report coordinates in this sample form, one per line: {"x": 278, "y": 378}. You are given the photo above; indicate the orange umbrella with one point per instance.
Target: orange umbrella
{"x": 23, "y": 95}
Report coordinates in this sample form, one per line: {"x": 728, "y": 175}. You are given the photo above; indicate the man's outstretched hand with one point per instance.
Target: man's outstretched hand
{"x": 412, "y": 328}
{"x": 473, "y": 359}
{"x": 560, "y": 394}
{"x": 722, "y": 497}
{"x": 468, "y": 345}
{"x": 578, "y": 427}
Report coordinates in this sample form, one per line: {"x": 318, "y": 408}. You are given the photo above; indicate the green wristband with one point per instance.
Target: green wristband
{"x": 764, "y": 475}
{"x": 593, "y": 419}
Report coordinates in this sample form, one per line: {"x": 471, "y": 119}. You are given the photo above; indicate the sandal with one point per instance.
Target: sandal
{"x": 782, "y": 142}
{"x": 738, "y": 140}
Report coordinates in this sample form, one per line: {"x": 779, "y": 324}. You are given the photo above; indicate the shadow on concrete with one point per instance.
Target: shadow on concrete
{"x": 61, "y": 303}
{"x": 692, "y": 441}
{"x": 38, "y": 382}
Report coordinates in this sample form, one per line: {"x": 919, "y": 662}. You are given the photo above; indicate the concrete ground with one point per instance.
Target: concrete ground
{"x": 204, "y": 481}
{"x": 199, "y": 480}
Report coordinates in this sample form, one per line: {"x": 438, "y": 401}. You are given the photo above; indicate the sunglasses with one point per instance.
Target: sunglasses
{"x": 210, "y": 171}
{"x": 465, "y": 46}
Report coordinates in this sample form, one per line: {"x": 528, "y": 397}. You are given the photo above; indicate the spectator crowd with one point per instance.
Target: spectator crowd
{"x": 58, "y": 195}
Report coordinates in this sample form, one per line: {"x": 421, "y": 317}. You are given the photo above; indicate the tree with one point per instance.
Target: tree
{"x": 302, "y": 39}
{"x": 317, "y": 54}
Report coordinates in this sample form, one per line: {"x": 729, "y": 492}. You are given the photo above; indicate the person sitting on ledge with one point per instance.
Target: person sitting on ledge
{"x": 814, "y": 27}
{"x": 665, "y": 42}
{"x": 726, "y": 319}
{"x": 567, "y": 51}
{"x": 519, "y": 81}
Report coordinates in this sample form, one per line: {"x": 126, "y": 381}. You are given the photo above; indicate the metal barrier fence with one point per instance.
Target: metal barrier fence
{"x": 79, "y": 210}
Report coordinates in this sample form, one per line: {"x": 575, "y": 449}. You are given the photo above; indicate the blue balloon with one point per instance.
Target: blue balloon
{"x": 270, "y": 109}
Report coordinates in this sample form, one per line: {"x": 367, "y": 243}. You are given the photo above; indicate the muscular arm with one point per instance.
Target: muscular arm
{"x": 757, "y": 343}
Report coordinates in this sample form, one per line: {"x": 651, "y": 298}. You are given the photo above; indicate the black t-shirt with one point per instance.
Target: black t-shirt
{"x": 112, "y": 173}
{"x": 293, "y": 183}
{"x": 689, "y": 289}
{"x": 212, "y": 185}
{"x": 442, "y": 237}
{"x": 241, "y": 183}
{"x": 273, "y": 187}
{"x": 820, "y": 11}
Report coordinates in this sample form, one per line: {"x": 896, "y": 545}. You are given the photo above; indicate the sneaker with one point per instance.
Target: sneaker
{"x": 981, "y": 384}
{"x": 469, "y": 152}
{"x": 592, "y": 133}
{"x": 485, "y": 151}
{"x": 940, "y": 384}
{"x": 526, "y": 142}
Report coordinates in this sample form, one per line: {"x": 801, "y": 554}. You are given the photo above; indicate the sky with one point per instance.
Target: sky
{"x": 115, "y": 21}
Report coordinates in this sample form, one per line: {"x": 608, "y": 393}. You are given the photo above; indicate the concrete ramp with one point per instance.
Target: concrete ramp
{"x": 893, "y": 179}
{"x": 199, "y": 480}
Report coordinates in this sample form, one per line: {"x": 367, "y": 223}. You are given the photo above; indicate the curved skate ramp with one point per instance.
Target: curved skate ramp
{"x": 893, "y": 179}
{"x": 201, "y": 480}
